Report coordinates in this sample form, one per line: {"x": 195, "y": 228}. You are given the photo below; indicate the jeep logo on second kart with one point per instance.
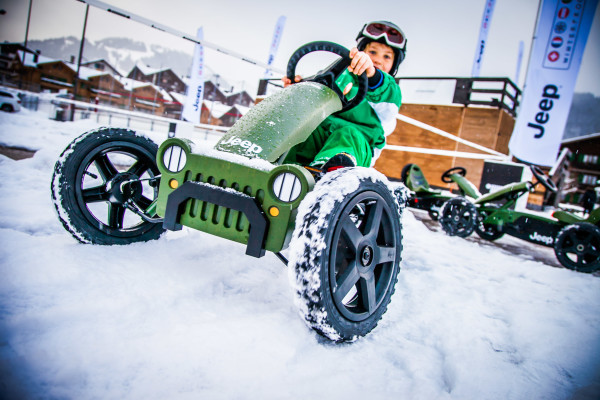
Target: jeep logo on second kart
{"x": 246, "y": 144}
{"x": 541, "y": 238}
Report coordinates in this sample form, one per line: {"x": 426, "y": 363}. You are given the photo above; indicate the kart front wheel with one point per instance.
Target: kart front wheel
{"x": 345, "y": 253}
{"x": 102, "y": 184}
{"x": 458, "y": 217}
{"x": 577, "y": 247}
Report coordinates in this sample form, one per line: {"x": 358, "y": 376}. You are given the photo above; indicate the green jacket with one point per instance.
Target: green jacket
{"x": 359, "y": 132}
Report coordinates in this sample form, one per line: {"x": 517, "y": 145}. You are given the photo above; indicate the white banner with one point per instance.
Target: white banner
{"x": 275, "y": 44}
{"x": 195, "y": 91}
{"x": 557, "y": 49}
{"x": 483, "y": 34}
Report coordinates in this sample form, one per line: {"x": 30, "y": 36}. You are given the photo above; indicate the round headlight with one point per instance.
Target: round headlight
{"x": 174, "y": 158}
{"x": 287, "y": 187}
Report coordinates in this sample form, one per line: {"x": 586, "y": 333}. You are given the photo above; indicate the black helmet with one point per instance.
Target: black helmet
{"x": 387, "y": 33}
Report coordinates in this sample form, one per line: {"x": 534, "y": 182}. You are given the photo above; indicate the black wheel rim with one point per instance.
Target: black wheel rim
{"x": 102, "y": 188}
{"x": 457, "y": 218}
{"x": 362, "y": 257}
{"x": 580, "y": 249}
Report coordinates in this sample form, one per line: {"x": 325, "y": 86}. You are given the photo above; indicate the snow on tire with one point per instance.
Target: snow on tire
{"x": 97, "y": 178}
{"x": 345, "y": 253}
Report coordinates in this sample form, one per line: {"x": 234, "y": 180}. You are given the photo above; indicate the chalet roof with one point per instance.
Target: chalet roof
{"x": 147, "y": 70}
{"x": 216, "y": 108}
{"x": 28, "y": 60}
{"x": 102, "y": 60}
{"x": 178, "y": 97}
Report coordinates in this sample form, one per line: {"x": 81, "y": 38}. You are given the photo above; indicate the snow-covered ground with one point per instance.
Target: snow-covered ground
{"x": 191, "y": 317}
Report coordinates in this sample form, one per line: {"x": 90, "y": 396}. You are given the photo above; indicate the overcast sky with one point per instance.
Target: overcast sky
{"x": 442, "y": 34}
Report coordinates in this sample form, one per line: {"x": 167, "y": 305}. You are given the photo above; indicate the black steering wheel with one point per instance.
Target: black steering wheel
{"x": 543, "y": 179}
{"x": 456, "y": 170}
{"x": 328, "y": 76}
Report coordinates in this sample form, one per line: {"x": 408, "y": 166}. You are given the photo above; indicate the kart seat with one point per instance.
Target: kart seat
{"x": 567, "y": 217}
{"x": 570, "y": 218}
{"x": 415, "y": 181}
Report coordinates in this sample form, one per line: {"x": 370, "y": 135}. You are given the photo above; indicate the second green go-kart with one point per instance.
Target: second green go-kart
{"x": 422, "y": 196}
{"x": 575, "y": 240}
{"x": 343, "y": 231}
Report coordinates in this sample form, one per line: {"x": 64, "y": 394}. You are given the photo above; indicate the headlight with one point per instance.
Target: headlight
{"x": 174, "y": 158}
{"x": 287, "y": 187}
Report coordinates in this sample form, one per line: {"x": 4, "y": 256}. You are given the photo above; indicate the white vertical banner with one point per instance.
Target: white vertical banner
{"x": 483, "y": 34}
{"x": 192, "y": 108}
{"x": 275, "y": 43}
{"x": 559, "y": 40}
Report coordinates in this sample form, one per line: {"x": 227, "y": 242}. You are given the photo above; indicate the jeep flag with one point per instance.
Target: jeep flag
{"x": 275, "y": 43}
{"x": 562, "y": 30}
{"x": 195, "y": 92}
{"x": 483, "y": 34}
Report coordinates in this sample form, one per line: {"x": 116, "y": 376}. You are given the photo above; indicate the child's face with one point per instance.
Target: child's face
{"x": 381, "y": 54}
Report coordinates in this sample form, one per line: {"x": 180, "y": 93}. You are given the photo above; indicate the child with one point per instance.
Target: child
{"x": 357, "y": 136}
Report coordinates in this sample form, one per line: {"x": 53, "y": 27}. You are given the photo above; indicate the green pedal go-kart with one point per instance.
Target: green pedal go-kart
{"x": 423, "y": 197}
{"x": 576, "y": 240}
{"x": 342, "y": 231}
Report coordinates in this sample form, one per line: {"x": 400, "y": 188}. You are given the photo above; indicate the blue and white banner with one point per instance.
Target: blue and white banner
{"x": 275, "y": 44}
{"x": 559, "y": 41}
{"x": 192, "y": 108}
{"x": 483, "y": 34}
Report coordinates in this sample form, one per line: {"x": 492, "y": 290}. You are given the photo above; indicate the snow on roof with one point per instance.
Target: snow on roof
{"x": 243, "y": 110}
{"x": 178, "y": 97}
{"x": 130, "y": 84}
{"x": 217, "y": 109}
{"x": 147, "y": 70}
{"x": 28, "y": 59}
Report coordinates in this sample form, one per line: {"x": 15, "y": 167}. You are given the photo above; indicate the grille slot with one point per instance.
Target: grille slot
{"x": 217, "y": 215}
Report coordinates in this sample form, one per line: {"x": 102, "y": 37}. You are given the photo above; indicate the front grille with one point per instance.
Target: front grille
{"x": 214, "y": 214}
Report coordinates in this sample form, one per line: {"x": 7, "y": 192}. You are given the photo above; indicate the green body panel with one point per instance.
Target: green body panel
{"x": 504, "y": 190}
{"x": 280, "y": 121}
{"x": 253, "y": 178}
{"x": 506, "y": 216}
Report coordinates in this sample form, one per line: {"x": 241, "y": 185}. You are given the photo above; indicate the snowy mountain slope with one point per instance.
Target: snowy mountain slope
{"x": 190, "y": 316}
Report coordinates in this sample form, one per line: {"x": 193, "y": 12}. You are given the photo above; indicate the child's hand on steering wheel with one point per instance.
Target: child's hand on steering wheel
{"x": 287, "y": 81}
{"x": 361, "y": 62}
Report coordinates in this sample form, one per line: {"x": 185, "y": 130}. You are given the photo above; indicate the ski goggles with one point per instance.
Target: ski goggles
{"x": 393, "y": 37}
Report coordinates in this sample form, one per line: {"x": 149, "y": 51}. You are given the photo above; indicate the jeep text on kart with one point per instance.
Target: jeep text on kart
{"x": 112, "y": 186}
{"x": 576, "y": 240}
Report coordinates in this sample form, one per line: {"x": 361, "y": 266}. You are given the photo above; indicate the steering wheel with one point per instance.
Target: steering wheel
{"x": 328, "y": 76}
{"x": 543, "y": 179}
{"x": 456, "y": 170}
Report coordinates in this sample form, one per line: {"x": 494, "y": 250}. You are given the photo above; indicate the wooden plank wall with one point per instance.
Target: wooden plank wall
{"x": 488, "y": 127}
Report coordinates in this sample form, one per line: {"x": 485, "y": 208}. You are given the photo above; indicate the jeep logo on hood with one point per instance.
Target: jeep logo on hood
{"x": 250, "y": 148}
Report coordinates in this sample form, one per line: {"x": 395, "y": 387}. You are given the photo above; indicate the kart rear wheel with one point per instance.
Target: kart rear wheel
{"x": 345, "y": 254}
{"x": 577, "y": 247}
{"x": 487, "y": 231}
{"x": 458, "y": 217}
{"x": 96, "y": 181}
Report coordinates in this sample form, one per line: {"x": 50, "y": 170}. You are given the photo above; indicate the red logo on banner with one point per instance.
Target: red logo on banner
{"x": 563, "y": 13}
{"x": 557, "y": 41}
{"x": 553, "y": 56}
